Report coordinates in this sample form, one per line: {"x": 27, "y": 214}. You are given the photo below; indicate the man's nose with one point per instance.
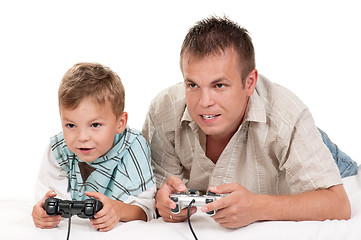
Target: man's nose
{"x": 206, "y": 98}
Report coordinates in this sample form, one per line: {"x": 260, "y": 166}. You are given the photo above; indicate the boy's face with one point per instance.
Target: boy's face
{"x": 90, "y": 128}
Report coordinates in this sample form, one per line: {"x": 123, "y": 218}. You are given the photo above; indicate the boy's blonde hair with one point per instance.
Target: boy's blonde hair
{"x": 91, "y": 80}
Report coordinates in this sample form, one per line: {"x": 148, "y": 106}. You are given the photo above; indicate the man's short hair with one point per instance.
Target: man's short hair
{"x": 91, "y": 80}
{"x": 212, "y": 35}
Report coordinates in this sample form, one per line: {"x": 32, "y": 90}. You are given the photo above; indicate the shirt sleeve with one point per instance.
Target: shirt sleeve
{"x": 306, "y": 160}
{"x": 165, "y": 161}
{"x": 145, "y": 200}
{"x": 51, "y": 177}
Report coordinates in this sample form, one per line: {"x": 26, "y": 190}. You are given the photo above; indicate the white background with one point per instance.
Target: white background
{"x": 311, "y": 47}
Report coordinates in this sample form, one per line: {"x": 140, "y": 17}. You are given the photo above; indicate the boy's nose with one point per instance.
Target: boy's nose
{"x": 83, "y": 136}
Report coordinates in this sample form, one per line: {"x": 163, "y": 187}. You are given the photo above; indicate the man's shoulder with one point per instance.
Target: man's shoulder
{"x": 168, "y": 97}
{"x": 169, "y": 103}
{"x": 279, "y": 101}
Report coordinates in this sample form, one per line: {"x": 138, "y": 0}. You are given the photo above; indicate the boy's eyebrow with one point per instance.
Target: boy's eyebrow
{"x": 96, "y": 119}
{"x": 64, "y": 118}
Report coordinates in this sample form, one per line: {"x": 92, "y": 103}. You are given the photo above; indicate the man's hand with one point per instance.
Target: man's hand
{"x": 238, "y": 209}
{"x": 40, "y": 218}
{"x": 164, "y": 204}
{"x": 242, "y": 207}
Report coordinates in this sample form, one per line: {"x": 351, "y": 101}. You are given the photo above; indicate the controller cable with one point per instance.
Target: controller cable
{"x": 188, "y": 217}
{"x": 69, "y": 222}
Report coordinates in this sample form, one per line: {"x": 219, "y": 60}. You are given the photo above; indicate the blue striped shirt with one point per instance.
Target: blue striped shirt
{"x": 125, "y": 170}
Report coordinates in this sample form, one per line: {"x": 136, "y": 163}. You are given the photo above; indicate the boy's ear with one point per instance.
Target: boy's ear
{"x": 122, "y": 122}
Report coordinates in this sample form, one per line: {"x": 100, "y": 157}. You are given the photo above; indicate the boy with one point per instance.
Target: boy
{"x": 97, "y": 155}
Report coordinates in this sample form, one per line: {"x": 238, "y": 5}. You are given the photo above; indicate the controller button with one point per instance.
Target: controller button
{"x": 209, "y": 193}
{"x": 175, "y": 210}
{"x": 88, "y": 211}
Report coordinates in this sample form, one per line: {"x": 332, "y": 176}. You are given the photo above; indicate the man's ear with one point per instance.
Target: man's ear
{"x": 251, "y": 81}
{"x": 122, "y": 122}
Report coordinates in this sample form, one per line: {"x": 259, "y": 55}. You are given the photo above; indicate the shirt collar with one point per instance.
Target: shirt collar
{"x": 255, "y": 111}
{"x": 187, "y": 119}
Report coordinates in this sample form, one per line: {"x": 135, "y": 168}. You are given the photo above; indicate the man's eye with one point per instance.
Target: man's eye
{"x": 219, "y": 85}
{"x": 96, "y": 125}
{"x": 70, "y": 125}
{"x": 192, "y": 85}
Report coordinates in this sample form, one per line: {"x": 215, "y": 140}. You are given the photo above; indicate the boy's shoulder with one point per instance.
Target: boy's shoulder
{"x": 58, "y": 145}
{"x": 60, "y": 150}
{"x": 57, "y": 139}
{"x": 130, "y": 138}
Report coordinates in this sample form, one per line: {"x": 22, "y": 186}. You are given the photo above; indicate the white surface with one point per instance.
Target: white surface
{"x": 16, "y": 223}
{"x": 311, "y": 47}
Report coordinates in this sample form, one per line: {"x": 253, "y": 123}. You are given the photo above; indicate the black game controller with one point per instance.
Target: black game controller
{"x": 183, "y": 199}
{"x": 83, "y": 209}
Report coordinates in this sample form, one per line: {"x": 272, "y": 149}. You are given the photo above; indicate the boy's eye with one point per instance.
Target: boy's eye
{"x": 96, "y": 125}
{"x": 70, "y": 125}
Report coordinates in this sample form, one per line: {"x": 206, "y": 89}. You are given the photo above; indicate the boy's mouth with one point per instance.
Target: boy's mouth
{"x": 85, "y": 150}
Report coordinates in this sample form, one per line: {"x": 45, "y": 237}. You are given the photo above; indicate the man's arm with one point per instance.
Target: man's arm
{"x": 242, "y": 207}
{"x": 165, "y": 161}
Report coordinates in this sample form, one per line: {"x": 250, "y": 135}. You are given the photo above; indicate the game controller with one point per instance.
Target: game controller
{"x": 66, "y": 208}
{"x": 183, "y": 199}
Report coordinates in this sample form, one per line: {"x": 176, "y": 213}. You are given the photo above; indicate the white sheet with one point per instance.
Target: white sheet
{"x": 16, "y": 223}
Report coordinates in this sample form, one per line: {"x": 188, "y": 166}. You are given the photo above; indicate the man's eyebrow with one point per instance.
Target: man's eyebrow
{"x": 216, "y": 81}
{"x": 222, "y": 80}
{"x": 188, "y": 81}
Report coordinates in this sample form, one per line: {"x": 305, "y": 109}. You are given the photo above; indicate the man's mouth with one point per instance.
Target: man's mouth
{"x": 209, "y": 117}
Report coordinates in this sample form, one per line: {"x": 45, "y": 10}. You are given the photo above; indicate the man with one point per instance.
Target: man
{"x": 230, "y": 130}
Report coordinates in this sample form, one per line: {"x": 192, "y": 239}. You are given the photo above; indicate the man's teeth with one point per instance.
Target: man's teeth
{"x": 207, "y": 117}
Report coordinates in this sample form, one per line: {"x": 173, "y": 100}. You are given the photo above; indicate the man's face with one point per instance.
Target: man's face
{"x": 215, "y": 96}
{"x": 90, "y": 128}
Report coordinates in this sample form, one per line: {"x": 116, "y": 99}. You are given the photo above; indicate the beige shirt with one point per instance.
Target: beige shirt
{"x": 276, "y": 150}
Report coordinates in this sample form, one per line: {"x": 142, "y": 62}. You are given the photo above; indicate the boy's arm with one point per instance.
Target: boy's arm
{"x": 114, "y": 211}
{"x": 40, "y": 218}
{"x": 51, "y": 177}
{"x": 145, "y": 201}
{"x": 52, "y": 181}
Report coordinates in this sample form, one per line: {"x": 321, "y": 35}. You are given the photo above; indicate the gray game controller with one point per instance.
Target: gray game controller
{"x": 183, "y": 199}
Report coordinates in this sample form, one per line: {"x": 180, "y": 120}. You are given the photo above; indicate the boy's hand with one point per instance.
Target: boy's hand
{"x": 111, "y": 213}
{"x": 40, "y": 218}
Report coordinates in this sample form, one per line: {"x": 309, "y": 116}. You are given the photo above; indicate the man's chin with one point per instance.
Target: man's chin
{"x": 211, "y": 131}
